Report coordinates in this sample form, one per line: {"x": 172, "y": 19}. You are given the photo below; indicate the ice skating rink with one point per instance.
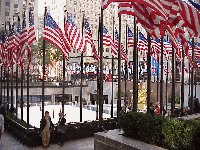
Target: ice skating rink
{"x": 72, "y": 114}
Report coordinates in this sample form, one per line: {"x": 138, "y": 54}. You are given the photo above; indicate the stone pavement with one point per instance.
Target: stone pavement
{"x": 191, "y": 116}
{"x": 10, "y": 143}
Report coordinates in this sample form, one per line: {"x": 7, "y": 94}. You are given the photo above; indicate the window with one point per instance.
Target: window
{"x": 74, "y": 50}
{"x": 107, "y": 49}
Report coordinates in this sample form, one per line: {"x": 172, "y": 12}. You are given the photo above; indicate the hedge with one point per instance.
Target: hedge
{"x": 161, "y": 131}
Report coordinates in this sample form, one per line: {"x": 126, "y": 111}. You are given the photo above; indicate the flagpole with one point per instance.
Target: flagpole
{"x": 157, "y": 71}
{"x": 192, "y": 79}
{"x": 148, "y": 74}
{"x": 4, "y": 82}
{"x": 182, "y": 84}
{"x": 22, "y": 103}
{"x": 112, "y": 71}
{"x": 43, "y": 66}
{"x": 135, "y": 82}
{"x": 173, "y": 83}
{"x": 119, "y": 70}
{"x": 16, "y": 91}
{"x": 101, "y": 73}
{"x": 63, "y": 85}
{"x": 7, "y": 75}
{"x": 189, "y": 81}
{"x": 8, "y": 87}
{"x": 97, "y": 103}
{"x": 161, "y": 79}
{"x": 12, "y": 89}
{"x": 167, "y": 76}
{"x": 126, "y": 68}
{"x": 28, "y": 95}
{"x": 1, "y": 83}
{"x": 81, "y": 89}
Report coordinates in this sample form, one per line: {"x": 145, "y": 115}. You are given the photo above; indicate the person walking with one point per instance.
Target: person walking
{"x": 1, "y": 125}
{"x": 152, "y": 109}
{"x": 45, "y": 126}
{"x": 61, "y": 130}
{"x": 3, "y": 109}
{"x": 157, "y": 111}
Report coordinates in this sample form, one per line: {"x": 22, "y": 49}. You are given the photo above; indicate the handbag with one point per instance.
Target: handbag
{"x": 62, "y": 129}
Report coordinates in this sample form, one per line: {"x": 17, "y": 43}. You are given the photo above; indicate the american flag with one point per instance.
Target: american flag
{"x": 88, "y": 39}
{"x": 189, "y": 53}
{"x": 167, "y": 46}
{"x": 23, "y": 40}
{"x": 171, "y": 70}
{"x": 5, "y": 50}
{"x": 3, "y": 47}
{"x": 197, "y": 6}
{"x": 165, "y": 69}
{"x": 152, "y": 15}
{"x": 17, "y": 42}
{"x": 31, "y": 35}
{"x": 186, "y": 70}
{"x": 198, "y": 64}
{"x": 53, "y": 34}
{"x": 107, "y": 41}
{"x": 125, "y": 8}
{"x": 142, "y": 44}
{"x": 179, "y": 50}
{"x": 123, "y": 51}
{"x": 130, "y": 38}
{"x": 191, "y": 16}
{"x": 73, "y": 35}
{"x": 197, "y": 50}
{"x": 155, "y": 49}
{"x": 153, "y": 68}
{"x": 179, "y": 69}
{"x": 11, "y": 43}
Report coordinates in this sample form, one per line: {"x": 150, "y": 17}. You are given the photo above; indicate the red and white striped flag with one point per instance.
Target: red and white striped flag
{"x": 130, "y": 38}
{"x": 23, "y": 40}
{"x": 165, "y": 69}
{"x": 53, "y": 34}
{"x": 31, "y": 35}
{"x": 125, "y": 8}
{"x": 88, "y": 39}
{"x": 186, "y": 70}
{"x": 74, "y": 36}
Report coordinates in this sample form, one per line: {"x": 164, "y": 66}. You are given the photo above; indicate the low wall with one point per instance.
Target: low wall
{"x": 114, "y": 140}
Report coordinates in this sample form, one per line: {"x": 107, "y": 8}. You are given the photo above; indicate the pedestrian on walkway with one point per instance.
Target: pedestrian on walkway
{"x": 157, "y": 110}
{"x": 1, "y": 125}
{"x": 61, "y": 129}
{"x": 152, "y": 109}
{"x": 3, "y": 109}
{"x": 46, "y": 126}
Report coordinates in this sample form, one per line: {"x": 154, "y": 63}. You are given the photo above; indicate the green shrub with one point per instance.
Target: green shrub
{"x": 161, "y": 131}
{"x": 178, "y": 134}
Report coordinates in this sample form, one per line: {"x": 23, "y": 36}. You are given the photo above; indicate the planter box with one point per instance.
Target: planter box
{"x": 115, "y": 141}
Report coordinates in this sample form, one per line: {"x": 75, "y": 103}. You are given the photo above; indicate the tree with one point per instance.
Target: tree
{"x": 52, "y": 52}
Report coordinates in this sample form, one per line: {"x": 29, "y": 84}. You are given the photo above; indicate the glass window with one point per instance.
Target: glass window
{"x": 107, "y": 49}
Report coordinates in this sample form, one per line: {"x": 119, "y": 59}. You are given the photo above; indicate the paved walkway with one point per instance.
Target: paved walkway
{"x": 10, "y": 143}
{"x": 191, "y": 116}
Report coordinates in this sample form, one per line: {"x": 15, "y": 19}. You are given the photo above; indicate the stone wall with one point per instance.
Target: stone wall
{"x": 113, "y": 140}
